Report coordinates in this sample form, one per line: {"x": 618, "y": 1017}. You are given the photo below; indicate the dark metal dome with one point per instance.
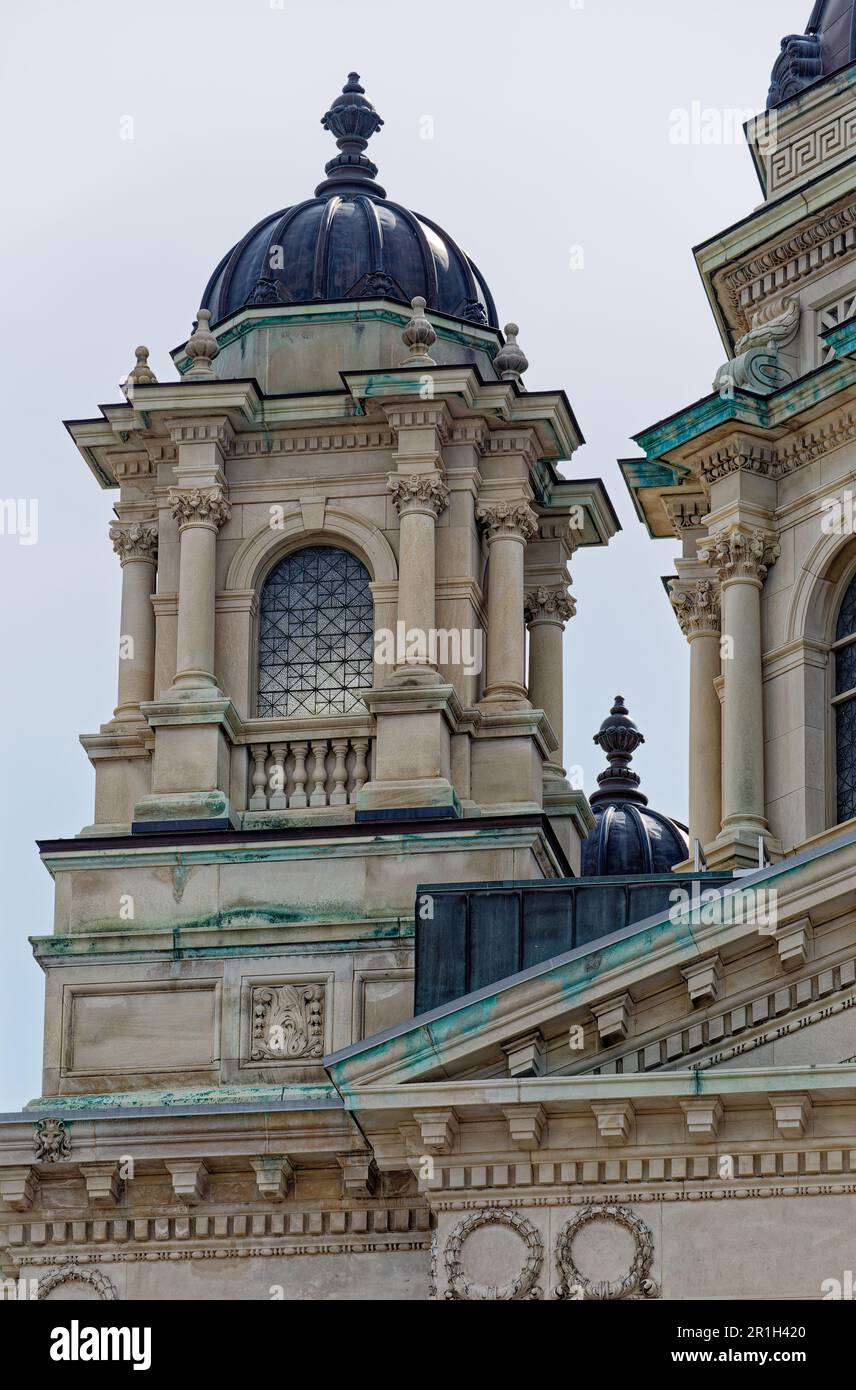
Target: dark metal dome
{"x": 828, "y": 44}
{"x": 628, "y": 838}
{"x": 349, "y": 241}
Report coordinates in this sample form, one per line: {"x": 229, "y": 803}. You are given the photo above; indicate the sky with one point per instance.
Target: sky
{"x": 143, "y": 141}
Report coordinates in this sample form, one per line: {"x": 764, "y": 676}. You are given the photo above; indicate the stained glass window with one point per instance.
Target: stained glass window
{"x": 845, "y": 709}
{"x": 316, "y": 635}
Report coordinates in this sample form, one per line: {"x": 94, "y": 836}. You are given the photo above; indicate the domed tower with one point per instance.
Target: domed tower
{"x": 269, "y": 300}
{"x": 628, "y": 838}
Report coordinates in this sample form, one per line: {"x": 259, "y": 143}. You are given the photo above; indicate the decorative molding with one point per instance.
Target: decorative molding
{"x": 527, "y": 1055}
{"x": 697, "y": 607}
{"x": 802, "y": 156}
{"x": 737, "y": 554}
{"x": 772, "y": 1008}
{"x": 523, "y": 1286}
{"x": 794, "y": 943}
{"x": 508, "y": 519}
{"x": 420, "y": 492}
{"x": 359, "y": 1173}
{"x": 613, "y": 1018}
{"x": 636, "y": 1283}
{"x": 784, "y": 264}
{"x": 19, "y": 1188}
{"x": 203, "y": 429}
{"x": 703, "y": 1115}
{"x": 543, "y": 605}
{"x": 274, "y": 1174}
{"x": 74, "y": 1274}
{"x": 200, "y": 507}
{"x": 135, "y": 540}
{"x": 792, "y": 1115}
{"x": 526, "y": 1125}
{"x": 189, "y": 1179}
{"x": 104, "y": 1187}
{"x": 438, "y": 1129}
{"x": 614, "y": 1120}
{"x": 324, "y": 442}
{"x": 288, "y": 1022}
{"x": 740, "y": 454}
{"x": 243, "y": 1229}
{"x": 704, "y": 981}
{"x": 51, "y": 1141}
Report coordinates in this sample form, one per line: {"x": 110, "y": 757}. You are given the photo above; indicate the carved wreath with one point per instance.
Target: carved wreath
{"x": 635, "y": 1285}
{"x": 524, "y": 1286}
{"x": 70, "y": 1274}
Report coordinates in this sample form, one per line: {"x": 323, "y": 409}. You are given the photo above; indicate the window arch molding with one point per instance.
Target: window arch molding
{"x": 261, "y": 552}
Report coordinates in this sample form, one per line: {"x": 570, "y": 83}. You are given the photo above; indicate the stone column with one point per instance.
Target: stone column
{"x": 200, "y": 514}
{"x": 509, "y": 526}
{"x": 741, "y": 558}
{"x": 136, "y": 544}
{"x": 697, "y": 610}
{"x": 546, "y": 611}
{"x": 419, "y": 499}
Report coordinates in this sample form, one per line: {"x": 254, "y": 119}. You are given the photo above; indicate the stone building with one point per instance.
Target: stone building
{"x": 350, "y": 993}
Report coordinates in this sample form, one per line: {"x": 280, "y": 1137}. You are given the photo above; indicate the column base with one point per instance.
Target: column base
{"x": 191, "y": 811}
{"x": 506, "y": 694}
{"x": 736, "y": 847}
{"x": 419, "y": 798}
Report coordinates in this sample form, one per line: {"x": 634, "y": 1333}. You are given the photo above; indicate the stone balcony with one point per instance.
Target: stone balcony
{"x": 302, "y": 770}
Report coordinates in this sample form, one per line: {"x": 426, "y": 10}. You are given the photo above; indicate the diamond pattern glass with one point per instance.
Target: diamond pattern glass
{"x": 316, "y": 635}
{"x": 846, "y": 624}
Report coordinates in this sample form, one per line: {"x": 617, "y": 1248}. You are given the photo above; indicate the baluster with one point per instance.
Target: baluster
{"x": 339, "y": 796}
{"x": 277, "y": 801}
{"x": 319, "y": 773}
{"x": 298, "y": 796}
{"x": 361, "y": 771}
{"x": 258, "y": 800}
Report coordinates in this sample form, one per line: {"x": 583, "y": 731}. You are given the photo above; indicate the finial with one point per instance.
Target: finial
{"x": 140, "y": 374}
{"x": 201, "y": 347}
{"x": 619, "y": 738}
{"x": 353, "y": 121}
{"x": 511, "y": 361}
{"x": 418, "y": 336}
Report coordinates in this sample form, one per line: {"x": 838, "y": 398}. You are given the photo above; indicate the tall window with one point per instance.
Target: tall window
{"x": 845, "y": 706}
{"x": 316, "y": 635}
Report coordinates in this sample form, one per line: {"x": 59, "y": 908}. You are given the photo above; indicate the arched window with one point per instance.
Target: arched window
{"x": 316, "y": 635}
{"x": 845, "y": 706}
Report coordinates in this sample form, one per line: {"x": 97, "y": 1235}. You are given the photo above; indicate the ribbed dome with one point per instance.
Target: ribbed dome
{"x": 628, "y": 838}
{"x": 349, "y": 241}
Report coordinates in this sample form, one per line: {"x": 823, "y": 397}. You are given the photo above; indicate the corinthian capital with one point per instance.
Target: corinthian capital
{"x": 549, "y": 605}
{"x": 418, "y": 493}
{"x": 508, "y": 519}
{"x": 697, "y": 607}
{"x": 135, "y": 540}
{"x": 738, "y": 554}
{"x": 200, "y": 507}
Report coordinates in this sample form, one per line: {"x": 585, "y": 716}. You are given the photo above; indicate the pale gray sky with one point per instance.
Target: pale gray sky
{"x": 551, "y": 126}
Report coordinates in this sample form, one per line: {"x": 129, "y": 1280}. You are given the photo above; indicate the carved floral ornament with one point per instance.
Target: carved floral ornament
{"x": 288, "y": 1023}
{"x": 200, "y": 507}
{"x": 419, "y": 492}
{"x": 508, "y": 519}
{"x": 697, "y": 607}
{"x": 738, "y": 554}
{"x": 51, "y": 1141}
{"x": 549, "y": 605}
{"x": 135, "y": 540}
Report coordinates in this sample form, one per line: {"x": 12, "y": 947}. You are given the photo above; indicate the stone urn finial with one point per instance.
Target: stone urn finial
{"x": 619, "y": 738}
{"x": 418, "y": 336}
{"x": 201, "y": 347}
{"x": 141, "y": 373}
{"x": 511, "y": 361}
